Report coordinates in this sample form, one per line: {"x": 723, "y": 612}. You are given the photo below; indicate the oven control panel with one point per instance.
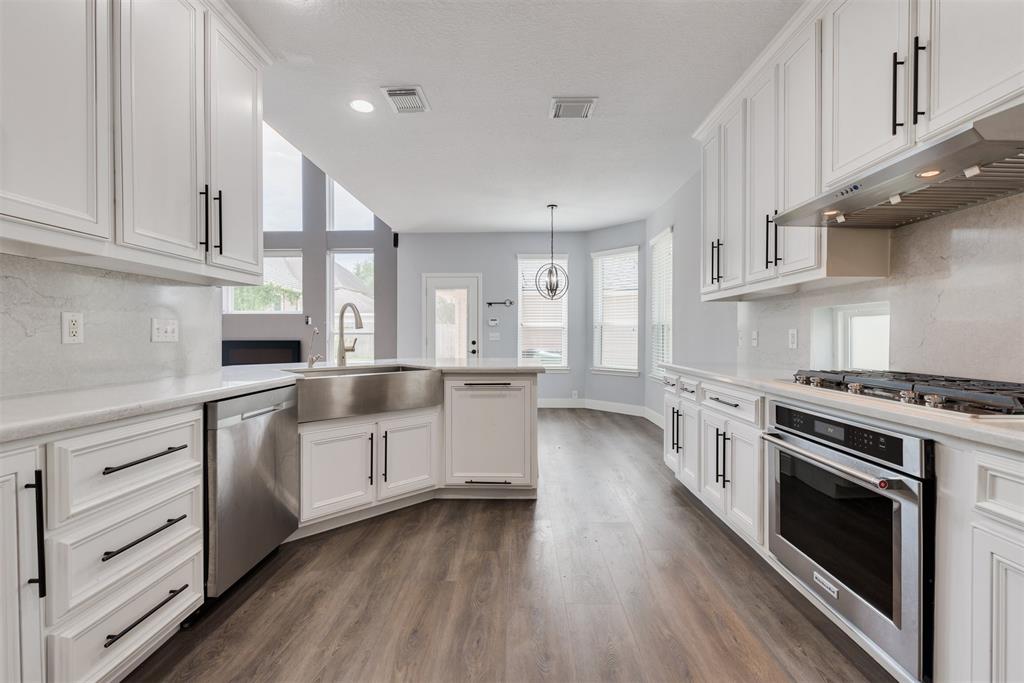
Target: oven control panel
{"x": 859, "y": 439}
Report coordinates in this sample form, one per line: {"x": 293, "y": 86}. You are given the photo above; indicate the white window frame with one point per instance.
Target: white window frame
{"x": 329, "y": 225}
{"x": 564, "y": 301}
{"x": 329, "y": 324}
{"x": 268, "y": 253}
{"x": 841, "y": 316}
{"x": 601, "y": 369}
{"x": 665, "y": 235}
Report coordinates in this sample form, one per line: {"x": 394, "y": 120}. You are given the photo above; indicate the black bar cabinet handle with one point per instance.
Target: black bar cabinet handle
{"x": 37, "y": 484}
{"x": 719, "y": 260}
{"x": 205, "y": 193}
{"x": 110, "y": 554}
{"x": 371, "y": 460}
{"x": 778, "y": 259}
{"x": 675, "y": 424}
{"x": 220, "y": 220}
{"x": 896, "y": 63}
{"x": 725, "y": 438}
{"x": 918, "y": 48}
{"x": 487, "y": 384}
{"x": 679, "y": 446}
{"x": 385, "y": 456}
{"x": 489, "y": 483}
{"x": 767, "y": 259}
{"x": 133, "y": 463}
{"x": 113, "y": 638}
{"x": 718, "y": 472}
{"x": 718, "y": 400}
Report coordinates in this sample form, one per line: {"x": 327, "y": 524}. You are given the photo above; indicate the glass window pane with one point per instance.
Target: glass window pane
{"x": 347, "y": 213}
{"x": 869, "y": 342}
{"x": 543, "y": 323}
{"x": 282, "y": 183}
{"x": 281, "y": 291}
{"x": 352, "y": 282}
{"x": 451, "y": 320}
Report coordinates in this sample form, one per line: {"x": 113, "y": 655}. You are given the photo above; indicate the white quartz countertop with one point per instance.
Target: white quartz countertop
{"x": 22, "y": 417}
{"x": 1001, "y": 432}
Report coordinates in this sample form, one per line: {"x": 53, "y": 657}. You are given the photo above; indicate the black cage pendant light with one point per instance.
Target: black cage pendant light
{"x": 552, "y": 281}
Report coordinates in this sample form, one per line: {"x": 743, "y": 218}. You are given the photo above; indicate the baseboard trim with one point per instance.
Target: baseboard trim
{"x": 604, "y": 406}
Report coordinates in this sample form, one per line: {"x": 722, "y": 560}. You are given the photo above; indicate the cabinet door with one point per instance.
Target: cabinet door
{"x": 161, "y": 132}
{"x": 407, "y": 454}
{"x": 336, "y": 470}
{"x": 235, "y": 117}
{"x": 711, "y": 489}
{"x": 734, "y": 198}
{"x": 762, "y": 137}
{"x": 799, "y": 150}
{"x": 973, "y": 58}
{"x": 489, "y": 431}
{"x": 743, "y": 470}
{"x": 56, "y": 125}
{"x": 669, "y": 439}
{"x": 710, "y": 188}
{"x": 21, "y": 649}
{"x": 688, "y": 436}
{"x": 998, "y": 593}
{"x": 865, "y": 117}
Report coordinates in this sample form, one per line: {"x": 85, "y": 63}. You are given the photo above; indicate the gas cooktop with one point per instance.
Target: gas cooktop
{"x": 971, "y": 396}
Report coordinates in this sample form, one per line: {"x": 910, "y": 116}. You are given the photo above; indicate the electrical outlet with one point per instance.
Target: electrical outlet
{"x": 494, "y": 336}
{"x": 575, "y": 394}
{"x": 753, "y": 338}
{"x": 164, "y": 330}
{"x": 792, "y": 338}
{"x": 72, "y": 328}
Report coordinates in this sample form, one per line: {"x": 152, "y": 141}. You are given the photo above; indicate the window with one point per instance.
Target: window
{"x": 282, "y": 183}
{"x": 661, "y": 300}
{"x": 616, "y": 309}
{"x": 281, "y": 291}
{"x": 345, "y": 212}
{"x": 543, "y": 323}
{"x": 862, "y": 336}
{"x": 351, "y": 281}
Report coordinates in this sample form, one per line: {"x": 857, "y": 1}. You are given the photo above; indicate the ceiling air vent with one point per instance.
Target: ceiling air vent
{"x": 406, "y": 99}
{"x": 572, "y": 107}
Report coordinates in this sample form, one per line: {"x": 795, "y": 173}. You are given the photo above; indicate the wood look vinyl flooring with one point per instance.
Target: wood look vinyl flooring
{"x": 615, "y": 573}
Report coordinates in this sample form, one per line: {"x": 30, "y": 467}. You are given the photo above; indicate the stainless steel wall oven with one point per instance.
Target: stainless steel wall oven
{"x": 852, "y": 517}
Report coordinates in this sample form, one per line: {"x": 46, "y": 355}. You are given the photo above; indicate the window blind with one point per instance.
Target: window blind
{"x": 543, "y": 323}
{"x": 616, "y": 308}
{"x": 661, "y": 300}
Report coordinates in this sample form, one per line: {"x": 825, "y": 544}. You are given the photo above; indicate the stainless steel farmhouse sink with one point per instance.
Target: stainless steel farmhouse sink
{"x": 333, "y": 392}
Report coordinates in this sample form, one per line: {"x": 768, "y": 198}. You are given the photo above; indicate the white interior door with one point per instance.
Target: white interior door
{"x": 451, "y": 316}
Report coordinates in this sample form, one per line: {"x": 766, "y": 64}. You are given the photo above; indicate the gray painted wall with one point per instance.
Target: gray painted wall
{"x": 316, "y": 242}
{"x": 117, "y": 309}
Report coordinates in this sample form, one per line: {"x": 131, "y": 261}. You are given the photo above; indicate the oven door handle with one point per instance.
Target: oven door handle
{"x": 825, "y": 463}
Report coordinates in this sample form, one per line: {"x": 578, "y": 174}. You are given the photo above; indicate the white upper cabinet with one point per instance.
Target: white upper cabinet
{"x": 710, "y": 186}
{"x": 762, "y": 247}
{"x": 971, "y": 58}
{"x": 729, "y": 256}
{"x": 162, "y": 139}
{"x": 56, "y": 165}
{"x": 866, "y": 69}
{"x": 235, "y": 159}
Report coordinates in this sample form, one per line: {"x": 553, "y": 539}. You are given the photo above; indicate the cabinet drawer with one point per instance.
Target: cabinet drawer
{"x": 90, "y": 561}
{"x": 91, "y": 649}
{"x": 732, "y": 402}
{"x": 98, "y": 469}
{"x": 1000, "y": 488}
{"x": 687, "y": 387}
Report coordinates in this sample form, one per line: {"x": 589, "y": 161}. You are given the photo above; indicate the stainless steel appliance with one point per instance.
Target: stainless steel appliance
{"x": 852, "y": 517}
{"x": 975, "y": 164}
{"x": 252, "y": 482}
{"x": 975, "y": 397}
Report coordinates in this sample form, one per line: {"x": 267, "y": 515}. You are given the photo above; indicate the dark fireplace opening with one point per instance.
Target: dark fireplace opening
{"x": 260, "y": 351}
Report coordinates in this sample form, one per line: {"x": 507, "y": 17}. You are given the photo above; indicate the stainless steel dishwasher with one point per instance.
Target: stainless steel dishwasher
{"x": 252, "y": 482}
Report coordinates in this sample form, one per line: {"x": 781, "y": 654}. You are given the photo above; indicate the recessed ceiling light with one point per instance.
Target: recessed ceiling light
{"x": 929, "y": 174}
{"x": 830, "y": 213}
{"x": 361, "y": 106}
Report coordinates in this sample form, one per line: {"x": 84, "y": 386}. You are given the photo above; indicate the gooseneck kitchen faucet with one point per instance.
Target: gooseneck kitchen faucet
{"x": 343, "y": 348}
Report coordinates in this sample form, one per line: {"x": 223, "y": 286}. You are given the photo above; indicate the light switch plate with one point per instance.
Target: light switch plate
{"x": 72, "y": 328}
{"x": 792, "y": 338}
{"x": 164, "y": 330}
{"x": 494, "y": 336}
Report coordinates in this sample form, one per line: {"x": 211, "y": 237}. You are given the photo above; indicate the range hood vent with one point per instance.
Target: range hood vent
{"x": 406, "y": 99}
{"x": 976, "y": 164}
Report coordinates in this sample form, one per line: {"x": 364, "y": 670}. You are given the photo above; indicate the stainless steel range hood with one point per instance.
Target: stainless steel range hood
{"x": 976, "y": 164}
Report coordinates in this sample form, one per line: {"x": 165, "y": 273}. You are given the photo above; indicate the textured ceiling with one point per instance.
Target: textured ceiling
{"x": 487, "y": 157}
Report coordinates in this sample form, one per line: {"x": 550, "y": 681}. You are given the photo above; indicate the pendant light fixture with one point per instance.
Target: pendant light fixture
{"x": 552, "y": 281}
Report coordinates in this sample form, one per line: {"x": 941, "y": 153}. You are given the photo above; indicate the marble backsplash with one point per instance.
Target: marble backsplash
{"x": 956, "y": 295}
{"x": 117, "y": 310}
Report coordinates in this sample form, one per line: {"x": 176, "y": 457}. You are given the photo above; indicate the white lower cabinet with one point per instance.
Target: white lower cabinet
{"x": 353, "y": 463}
{"x": 669, "y": 441}
{"x": 336, "y": 469}
{"x": 21, "y": 641}
{"x": 998, "y": 620}
{"x": 409, "y": 445}
{"x": 688, "y": 444}
{"x": 731, "y": 470}
{"x": 490, "y": 431}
